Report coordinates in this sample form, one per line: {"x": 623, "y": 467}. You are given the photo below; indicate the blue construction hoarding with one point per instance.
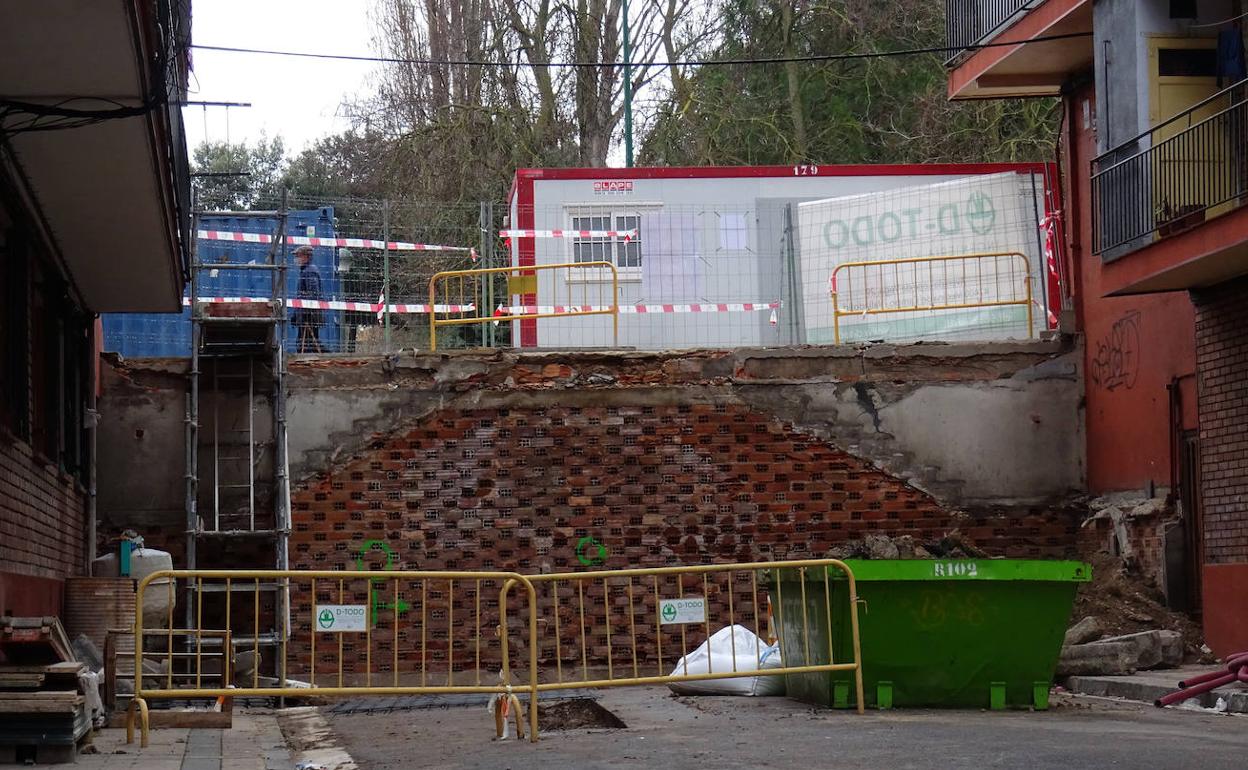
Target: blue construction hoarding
{"x": 138, "y": 335}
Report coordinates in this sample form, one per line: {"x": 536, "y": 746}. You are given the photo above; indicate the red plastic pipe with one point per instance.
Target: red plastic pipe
{"x": 1236, "y": 669}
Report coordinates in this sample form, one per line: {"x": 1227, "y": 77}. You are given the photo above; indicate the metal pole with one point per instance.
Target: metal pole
{"x": 628, "y": 93}
{"x": 385, "y": 273}
{"x": 92, "y": 419}
{"x": 1042, "y": 262}
{"x": 192, "y": 431}
{"x": 792, "y": 305}
{"x": 487, "y": 254}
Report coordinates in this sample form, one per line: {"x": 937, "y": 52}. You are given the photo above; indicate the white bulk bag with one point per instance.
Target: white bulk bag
{"x": 715, "y": 655}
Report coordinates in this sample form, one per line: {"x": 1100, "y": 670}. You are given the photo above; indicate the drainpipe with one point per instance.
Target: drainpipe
{"x": 92, "y": 421}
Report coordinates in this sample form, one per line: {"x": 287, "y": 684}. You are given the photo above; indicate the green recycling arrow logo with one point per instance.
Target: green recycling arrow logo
{"x": 326, "y": 619}
{"x": 399, "y": 606}
{"x": 381, "y": 545}
{"x": 669, "y": 612}
{"x": 590, "y": 552}
{"x": 980, "y": 213}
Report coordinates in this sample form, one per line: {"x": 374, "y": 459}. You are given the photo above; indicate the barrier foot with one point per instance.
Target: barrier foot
{"x": 130, "y": 721}
{"x": 139, "y": 705}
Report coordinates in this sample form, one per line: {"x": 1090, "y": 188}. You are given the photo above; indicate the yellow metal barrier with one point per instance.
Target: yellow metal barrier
{"x": 372, "y": 607}
{"x": 465, "y": 288}
{"x": 903, "y": 286}
{"x": 634, "y": 615}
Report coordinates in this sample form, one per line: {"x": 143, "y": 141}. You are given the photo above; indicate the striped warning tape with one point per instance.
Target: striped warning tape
{"x": 627, "y": 235}
{"x": 322, "y": 304}
{"x": 355, "y": 243}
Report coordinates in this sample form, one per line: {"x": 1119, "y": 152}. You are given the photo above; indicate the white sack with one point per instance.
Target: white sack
{"x": 715, "y": 655}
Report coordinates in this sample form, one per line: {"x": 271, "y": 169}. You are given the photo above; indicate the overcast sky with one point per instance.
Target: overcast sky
{"x": 297, "y": 99}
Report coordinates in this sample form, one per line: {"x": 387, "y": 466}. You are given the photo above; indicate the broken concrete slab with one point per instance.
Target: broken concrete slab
{"x": 1123, "y": 654}
{"x": 1087, "y": 630}
{"x": 1097, "y": 658}
{"x": 1154, "y": 649}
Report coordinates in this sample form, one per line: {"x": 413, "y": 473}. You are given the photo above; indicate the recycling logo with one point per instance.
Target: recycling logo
{"x": 325, "y": 619}
{"x": 669, "y": 612}
{"x": 980, "y": 213}
{"x": 590, "y": 552}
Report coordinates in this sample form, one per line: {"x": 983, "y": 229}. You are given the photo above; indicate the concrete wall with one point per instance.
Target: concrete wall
{"x": 987, "y": 425}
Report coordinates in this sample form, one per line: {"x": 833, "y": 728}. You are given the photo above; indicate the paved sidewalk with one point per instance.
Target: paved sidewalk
{"x": 254, "y": 743}
{"x": 1148, "y": 686}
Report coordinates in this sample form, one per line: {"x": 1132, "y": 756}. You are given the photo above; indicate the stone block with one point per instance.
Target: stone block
{"x": 1087, "y": 630}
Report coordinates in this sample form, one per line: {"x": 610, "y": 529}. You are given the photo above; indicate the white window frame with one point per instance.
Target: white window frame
{"x": 612, "y": 211}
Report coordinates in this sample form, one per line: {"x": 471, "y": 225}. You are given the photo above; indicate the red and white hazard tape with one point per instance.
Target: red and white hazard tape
{"x": 322, "y": 304}
{"x": 722, "y": 307}
{"x": 627, "y": 235}
{"x": 355, "y": 243}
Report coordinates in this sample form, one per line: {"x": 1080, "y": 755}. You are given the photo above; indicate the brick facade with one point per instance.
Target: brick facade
{"x": 42, "y": 525}
{"x": 516, "y": 489}
{"x": 1222, "y": 369}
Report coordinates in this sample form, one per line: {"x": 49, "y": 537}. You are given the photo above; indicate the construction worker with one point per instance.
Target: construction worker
{"x": 308, "y": 320}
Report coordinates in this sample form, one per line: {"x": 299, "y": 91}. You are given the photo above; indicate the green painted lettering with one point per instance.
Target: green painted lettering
{"x": 827, "y": 237}
{"x": 948, "y": 219}
{"x": 889, "y": 222}
{"x": 859, "y": 238}
{"x": 912, "y": 219}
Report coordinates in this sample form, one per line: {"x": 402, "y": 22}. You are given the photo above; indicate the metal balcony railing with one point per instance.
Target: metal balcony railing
{"x": 1189, "y": 168}
{"x": 968, "y": 22}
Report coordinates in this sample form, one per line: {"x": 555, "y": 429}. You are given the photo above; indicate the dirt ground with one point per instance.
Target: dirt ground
{"x": 709, "y": 733}
{"x": 1125, "y": 604}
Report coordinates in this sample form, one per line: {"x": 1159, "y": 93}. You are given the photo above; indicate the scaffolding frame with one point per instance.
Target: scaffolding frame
{"x": 257, "y": 341}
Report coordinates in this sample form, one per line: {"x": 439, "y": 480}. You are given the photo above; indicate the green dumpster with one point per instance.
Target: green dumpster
{"x": 969, "y": 633}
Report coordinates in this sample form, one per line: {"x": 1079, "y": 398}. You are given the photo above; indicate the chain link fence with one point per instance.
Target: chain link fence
{"x": 687, "y": 275}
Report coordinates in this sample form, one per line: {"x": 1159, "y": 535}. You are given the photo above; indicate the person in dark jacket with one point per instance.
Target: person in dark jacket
{"x": 308, "y": 320}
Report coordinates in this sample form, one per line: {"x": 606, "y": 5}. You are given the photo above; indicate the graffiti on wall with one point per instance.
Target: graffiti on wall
{"x": 1117, "y": 360}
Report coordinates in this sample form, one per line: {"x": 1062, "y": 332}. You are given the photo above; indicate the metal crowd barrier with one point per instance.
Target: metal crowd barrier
{"x": 372, "y": 605}
{"x": 920, "y": 284}
{"x": 544, "y": 291}
{"x": 608, "y": 628}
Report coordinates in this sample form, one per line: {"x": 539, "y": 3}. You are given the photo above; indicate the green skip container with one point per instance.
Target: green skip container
{"x": 955, "y": 633}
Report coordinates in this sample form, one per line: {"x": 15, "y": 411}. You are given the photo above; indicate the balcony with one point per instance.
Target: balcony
{"x": 1026, "y": 69}
{"x": 1169, "y": 205}
{"x": 969, "y": 22}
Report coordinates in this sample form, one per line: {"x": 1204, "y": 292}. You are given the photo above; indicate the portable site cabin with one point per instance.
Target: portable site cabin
{"x": 730, "y": 256}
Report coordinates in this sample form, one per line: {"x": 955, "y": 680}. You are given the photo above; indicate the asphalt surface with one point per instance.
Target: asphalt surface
{"x": 726, "y": 733}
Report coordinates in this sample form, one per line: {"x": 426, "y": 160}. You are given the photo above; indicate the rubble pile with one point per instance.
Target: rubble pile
{"x": 1122, "y": 626}
{"x": 951, "y": 546}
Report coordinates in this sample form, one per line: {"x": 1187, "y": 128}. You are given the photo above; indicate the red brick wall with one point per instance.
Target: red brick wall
{"x": 42, "y": 526}
{"x": 657, "y": 485}
{"x": 1222, "y": 369}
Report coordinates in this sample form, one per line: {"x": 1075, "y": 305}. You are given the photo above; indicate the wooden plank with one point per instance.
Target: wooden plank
{"x": 210, "y": 720}
{"x": 21, "y": 680}
{"x": 38, "y": 706}
{"x": 65, "y": 667}
{"x": 41, "y": 695}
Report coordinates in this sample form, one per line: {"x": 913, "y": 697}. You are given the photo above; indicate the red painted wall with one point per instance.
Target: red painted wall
{"x": 1225, "y": 622}
{"x": 1135, "y": 346}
